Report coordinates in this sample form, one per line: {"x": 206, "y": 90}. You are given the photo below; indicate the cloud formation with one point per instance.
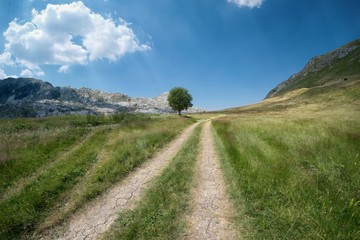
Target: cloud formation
{"x": 26, "y": 73}
{"x": 66, "y": 35}
{"x": 63, "y": 69}
{"x": 2, "y": 74}
{"x": 247, "y": 3}
{"x": 5, "y": 59}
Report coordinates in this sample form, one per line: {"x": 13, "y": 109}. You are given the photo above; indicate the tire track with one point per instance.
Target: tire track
{"x": 56, "y": 216}
{"x": 28, "y": 180}
{"x": 212, "y": 216}
{"x": 97, "y": 216}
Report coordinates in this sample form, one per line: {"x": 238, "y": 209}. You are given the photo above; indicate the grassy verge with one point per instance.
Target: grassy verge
{"x": 131, "y": 147}
{"x": 293, "y": 178}
{"x": 232, "y": 186}
{"x": 28, "y": 144}
{"x": 159, "y": 214}
{"x": 21, "y": 213}
{"x": 69, "y": 121}
{"x": 24, "y": 153}
{"x": 54, "y": 178}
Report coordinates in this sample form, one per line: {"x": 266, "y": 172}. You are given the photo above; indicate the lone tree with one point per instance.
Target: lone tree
{"x": 179, "y": 99}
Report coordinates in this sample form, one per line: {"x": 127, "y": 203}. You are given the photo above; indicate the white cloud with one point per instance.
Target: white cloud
{"x": 34, "y": 68}
{"x": 31, "y": 73}
{"x": 2, "y": 74}
{"x": 39, "y": 73}
{"x": 65, "y": 35}
{"x": 26, "y": 73}
{"x": 247, "y": 3}
{"x": 109, "y": 41}
{"x": 63, "y": 69}
{"x": 5, "y": 59}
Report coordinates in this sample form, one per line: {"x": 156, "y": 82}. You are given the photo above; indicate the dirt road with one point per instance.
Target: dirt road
{"x": 212, "y": 212}
{"x": 97, "y": 217}
{"x": 212, "y": 216}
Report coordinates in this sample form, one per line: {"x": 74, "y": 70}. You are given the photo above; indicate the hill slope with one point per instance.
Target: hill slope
{"x": 28, "y": 97}
{"x": 340, "y": 65}
{"x": 328, "y": 82}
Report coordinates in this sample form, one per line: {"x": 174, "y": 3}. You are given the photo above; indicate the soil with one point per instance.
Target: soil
{"x": 212, "y": 215}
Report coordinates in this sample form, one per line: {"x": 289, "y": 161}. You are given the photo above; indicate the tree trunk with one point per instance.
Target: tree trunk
{"x": 179, "y": 112}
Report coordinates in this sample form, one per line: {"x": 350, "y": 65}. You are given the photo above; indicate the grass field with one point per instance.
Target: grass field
{"x": 294, "y": 174}
{"x": 44, "y": 160}
{"x": 160, "y": 214}
{"x": 291, "y": 163}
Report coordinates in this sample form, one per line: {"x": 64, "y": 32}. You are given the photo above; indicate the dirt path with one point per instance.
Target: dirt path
{"x": 97, "y": 217}
{"x": 55, "y": 216}
{"x": 212, "y": 217}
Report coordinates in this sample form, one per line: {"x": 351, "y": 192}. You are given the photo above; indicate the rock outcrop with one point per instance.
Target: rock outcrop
{"x": 27, "y": 97}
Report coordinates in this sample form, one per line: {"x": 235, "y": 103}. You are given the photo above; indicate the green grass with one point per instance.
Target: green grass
{"x": 159, "y": 214}
{"x": 291, "y": 176}
{"x": 24, "y": 153}
{"x": 347, "y": 67}
{"x": 54, "y": 178}
{"x": 132, "y": 146}
{"x": 323, "y": 99}
{"x": 21, "y": 213}
{"x": 26, "y": 145}
{"x": 17, "y": 125}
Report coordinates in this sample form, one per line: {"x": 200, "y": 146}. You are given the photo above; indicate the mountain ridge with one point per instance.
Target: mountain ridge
{"x": 29, "y": 97}
{"x": 340, "y": 64}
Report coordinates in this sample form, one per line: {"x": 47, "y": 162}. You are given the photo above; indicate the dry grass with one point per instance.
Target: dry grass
{"x": 292, "y": 164}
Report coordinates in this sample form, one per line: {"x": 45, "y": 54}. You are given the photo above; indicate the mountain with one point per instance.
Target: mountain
{"x": 330, "y": 82}
{"x": 28, "y": 97}
{"x": 339, "y": 66}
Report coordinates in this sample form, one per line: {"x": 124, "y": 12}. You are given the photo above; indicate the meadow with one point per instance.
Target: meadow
{"x": 291, "y": 166}
{"x": 51, "y": 167}
{"x": 293, "y": 170}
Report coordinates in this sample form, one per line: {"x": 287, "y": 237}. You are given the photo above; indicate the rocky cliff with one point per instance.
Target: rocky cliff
{"x": 340, "y": 64}
{"x": 27, "y": 97}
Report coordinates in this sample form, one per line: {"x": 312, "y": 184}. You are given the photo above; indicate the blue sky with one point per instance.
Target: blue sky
{"x": 226, "y": 52}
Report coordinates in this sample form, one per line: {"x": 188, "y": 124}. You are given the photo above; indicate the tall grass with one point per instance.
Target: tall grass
{"x": 69, "y": 121}
{"x": 131, "y": 146}
{"x": 293, "y": 178}
{"x": 25, "y": 152}
{"x": 21, "y": 213}
{"x": 159, "y": 214}
{"x": 104, "y": 157}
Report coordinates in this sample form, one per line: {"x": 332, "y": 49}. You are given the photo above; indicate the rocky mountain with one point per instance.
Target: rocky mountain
{"x": 342, "y": 64}
{"x": 28, "y": 97}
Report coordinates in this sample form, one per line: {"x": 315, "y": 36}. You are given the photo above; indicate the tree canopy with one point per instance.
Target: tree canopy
{"x": 179, "y": 99}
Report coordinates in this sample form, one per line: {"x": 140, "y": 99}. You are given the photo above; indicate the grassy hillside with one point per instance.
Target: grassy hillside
{"x": 51, "y": 167}
{"x": 292, "y": 161}
{"x": 342, "y": 70}
{"x": 331, "y": 97}
{"x": 341, "y": 67}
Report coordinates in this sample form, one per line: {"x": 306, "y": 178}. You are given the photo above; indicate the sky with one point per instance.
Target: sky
{"x": 227, "y": 53}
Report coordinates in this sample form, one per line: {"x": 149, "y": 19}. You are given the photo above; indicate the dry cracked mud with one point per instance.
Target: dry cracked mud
{"x": 212, "y": 215}
{"x": 97, "y": 216}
